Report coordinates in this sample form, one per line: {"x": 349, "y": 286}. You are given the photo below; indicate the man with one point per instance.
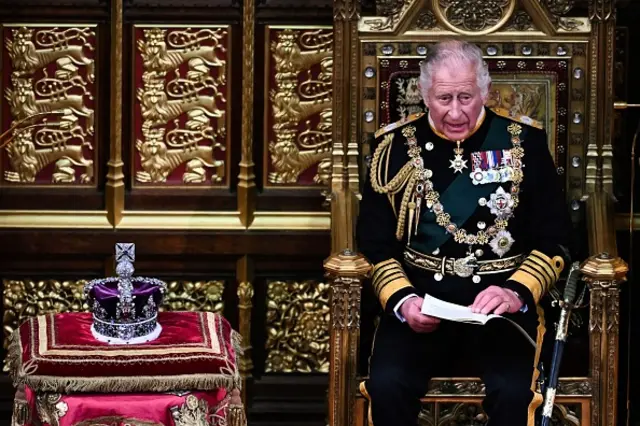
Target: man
{"x": 463, "y": 204}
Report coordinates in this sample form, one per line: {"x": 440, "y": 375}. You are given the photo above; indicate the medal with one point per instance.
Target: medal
{"x": 501, "y": 204}
{"x": 502, "y": 242}
{"x": 457, "y": 164}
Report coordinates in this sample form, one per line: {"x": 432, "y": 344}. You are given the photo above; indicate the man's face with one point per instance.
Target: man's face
{"x": 454, "y": 100}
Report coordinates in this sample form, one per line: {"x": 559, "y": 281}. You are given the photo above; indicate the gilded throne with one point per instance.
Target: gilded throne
{"x": 544, "y": 65}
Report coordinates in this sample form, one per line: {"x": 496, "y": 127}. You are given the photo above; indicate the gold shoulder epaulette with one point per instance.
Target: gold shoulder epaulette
{"x": 399, "y": 123}
{"x": 518, "y": 117}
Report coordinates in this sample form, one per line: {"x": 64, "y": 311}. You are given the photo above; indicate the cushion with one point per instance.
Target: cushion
{"x": 57, "y": 353}
{"x": 132, "y": 409}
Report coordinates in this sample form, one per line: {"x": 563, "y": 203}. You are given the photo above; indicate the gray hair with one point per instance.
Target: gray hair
{"x": 455, "y": 51}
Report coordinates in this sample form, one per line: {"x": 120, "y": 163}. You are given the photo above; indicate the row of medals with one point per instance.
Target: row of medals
{"x": 478, "y": 176}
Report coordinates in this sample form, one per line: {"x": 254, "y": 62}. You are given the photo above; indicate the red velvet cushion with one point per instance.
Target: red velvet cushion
{"x": 128, "y": 409}
{"x": 57, "y": 353}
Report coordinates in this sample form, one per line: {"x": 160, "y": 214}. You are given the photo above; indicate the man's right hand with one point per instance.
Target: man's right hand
{"x": 419, "y": 322}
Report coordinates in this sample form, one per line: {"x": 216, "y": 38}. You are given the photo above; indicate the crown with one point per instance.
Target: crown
{"x": 125, "y": 308}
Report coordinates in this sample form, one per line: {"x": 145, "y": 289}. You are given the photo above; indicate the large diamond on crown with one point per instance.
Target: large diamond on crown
{"x": 125, "y": 308}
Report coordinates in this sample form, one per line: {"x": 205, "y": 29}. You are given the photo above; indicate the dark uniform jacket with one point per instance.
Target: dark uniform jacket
{"x": 414, "y": 204}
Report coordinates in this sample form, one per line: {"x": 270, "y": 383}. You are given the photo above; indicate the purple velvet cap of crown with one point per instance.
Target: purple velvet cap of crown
{"x": 106, "y": 293}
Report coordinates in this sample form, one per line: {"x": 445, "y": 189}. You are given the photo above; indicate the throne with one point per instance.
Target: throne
{"x": 544, "y": 65}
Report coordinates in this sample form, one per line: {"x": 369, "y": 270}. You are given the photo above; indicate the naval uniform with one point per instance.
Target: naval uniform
{"x": 450, "y": 219}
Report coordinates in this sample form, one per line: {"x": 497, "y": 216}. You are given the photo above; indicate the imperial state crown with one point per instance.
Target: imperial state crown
{"x": 124, "y": 307}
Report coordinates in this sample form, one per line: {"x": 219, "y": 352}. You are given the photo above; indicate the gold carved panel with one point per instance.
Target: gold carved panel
{"x": 298, "y": 101}
{"x": 297, "y": 327}
{"x": 22, "y": 299}
{"x": 181, "y": 121}
{"x": 49, "y": 75}
{"x": 470, "y": 413}
{"x": 194, "y": 296}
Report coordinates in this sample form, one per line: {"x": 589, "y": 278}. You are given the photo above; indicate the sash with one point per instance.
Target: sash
{"x": 460, "y": 199}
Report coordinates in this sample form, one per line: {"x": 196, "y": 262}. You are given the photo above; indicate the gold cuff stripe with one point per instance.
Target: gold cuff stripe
{"x": 529, "y": 281}
{"x": 388, "y": 278}
{"x": 385, "y": 270}
{"x": 536, "y": 265}
{"x": 557, "y": 263}
{"x": 391, "y": 288}
{"x": 546, "y": 263}
{"x": 536, "y": 274}
{"x": 378, "y": 284}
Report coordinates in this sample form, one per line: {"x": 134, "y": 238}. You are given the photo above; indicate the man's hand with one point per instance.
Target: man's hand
{"x": 496, "y": 300}
{"x": 419, "y": 322}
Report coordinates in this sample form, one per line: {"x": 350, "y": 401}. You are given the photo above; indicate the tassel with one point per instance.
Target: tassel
{"x": 237, "y": 415}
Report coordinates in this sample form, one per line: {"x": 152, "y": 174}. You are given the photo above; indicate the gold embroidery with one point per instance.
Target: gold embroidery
{"x": 51, "y": 408}
{"x": 117, "y": 420}
{"x": 193, "y": 412}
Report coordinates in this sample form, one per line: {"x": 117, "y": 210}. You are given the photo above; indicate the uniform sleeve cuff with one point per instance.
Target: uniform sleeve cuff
{"x": 390, "y": 282}
{"x": 524, "y": 292}
{"x": 538, "y": 273}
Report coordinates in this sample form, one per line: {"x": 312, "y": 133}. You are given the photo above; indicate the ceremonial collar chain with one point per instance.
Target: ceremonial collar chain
{"x": 501, "y": 204}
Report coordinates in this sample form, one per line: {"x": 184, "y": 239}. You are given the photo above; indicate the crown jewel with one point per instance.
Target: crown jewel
{"x": 125, "y": 308}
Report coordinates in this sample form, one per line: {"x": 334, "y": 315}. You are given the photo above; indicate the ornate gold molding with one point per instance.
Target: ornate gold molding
{"x": 604, "y": 274}
{"x": 182, "y": 220}
{"x": 396, "y": 17}
{"x": 474, "y": 388}
{"x": 470, "y": 413}
{"x": 600, "y": 150}
{"x": 22, "y": 299}
{"x": 345, "y": 272}
{"x": 194, "y": 296}
{"x": 345, "y": 150}
{"x": 473, "y": 17}
{"x": 114, "y": 188}
{"x": 245, "y": 292}
{"x": 246, "y": 177}
{"x": 61, "y": 219}
{"x": 297, "y": 327}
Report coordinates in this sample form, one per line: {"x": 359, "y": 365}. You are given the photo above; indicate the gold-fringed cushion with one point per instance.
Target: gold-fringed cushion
{"x": 58, "y": 353}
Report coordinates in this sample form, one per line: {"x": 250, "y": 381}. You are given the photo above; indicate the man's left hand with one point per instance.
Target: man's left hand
{"x": 497, "y": 300}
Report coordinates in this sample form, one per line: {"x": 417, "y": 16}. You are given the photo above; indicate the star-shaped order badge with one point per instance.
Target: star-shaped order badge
{"x": 501, "y": 204}
{"x": 457, "y": 164}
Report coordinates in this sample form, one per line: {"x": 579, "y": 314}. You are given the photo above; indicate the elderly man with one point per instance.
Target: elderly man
{"x": 462, "y": 203}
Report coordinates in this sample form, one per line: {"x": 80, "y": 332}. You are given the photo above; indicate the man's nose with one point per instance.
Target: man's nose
{"x": 455, "y": 112}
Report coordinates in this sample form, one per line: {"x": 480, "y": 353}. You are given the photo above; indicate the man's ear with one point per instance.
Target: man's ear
{"x": 424, "y": 95}
{"x": 486, "y": 97}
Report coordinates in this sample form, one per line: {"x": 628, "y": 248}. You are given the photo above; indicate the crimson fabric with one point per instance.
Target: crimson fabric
{"x": 62, "y": 346}
{"x": 124, "y": 409}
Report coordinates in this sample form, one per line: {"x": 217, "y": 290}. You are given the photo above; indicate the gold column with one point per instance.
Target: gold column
{"x": 115, "y": 177}
{"x": 245, "y": 305}
{"x": 345, "y": 272}
{"x": 604, "y": 274}
{"x": 599, "y": 173}
{"x": 344, "y": 171}
{"x": 246, "y": 178}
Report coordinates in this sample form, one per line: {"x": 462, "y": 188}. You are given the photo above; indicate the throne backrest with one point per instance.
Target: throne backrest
{"x": 535, "y": 87}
